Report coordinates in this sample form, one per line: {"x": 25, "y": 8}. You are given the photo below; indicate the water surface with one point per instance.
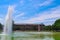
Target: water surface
{"x": 31, "y": 35}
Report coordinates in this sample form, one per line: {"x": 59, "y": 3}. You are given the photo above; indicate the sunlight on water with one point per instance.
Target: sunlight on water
{"x": 31, "y": 36}
{"x": 28, "y": 36}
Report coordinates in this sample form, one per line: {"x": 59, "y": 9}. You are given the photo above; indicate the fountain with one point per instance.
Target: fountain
{"x": 7, "y": 31}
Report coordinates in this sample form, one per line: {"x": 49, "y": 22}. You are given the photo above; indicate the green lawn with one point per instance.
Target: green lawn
{"x": 56, "y": 35}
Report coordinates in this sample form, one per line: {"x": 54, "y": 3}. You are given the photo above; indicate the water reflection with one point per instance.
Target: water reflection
{"x": 33, "y": 36}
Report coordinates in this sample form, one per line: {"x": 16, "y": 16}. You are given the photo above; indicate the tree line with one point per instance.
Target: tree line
{"x": 53, "y": 27}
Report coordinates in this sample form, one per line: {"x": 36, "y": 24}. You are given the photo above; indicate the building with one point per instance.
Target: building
{"x": 27, "y": 27}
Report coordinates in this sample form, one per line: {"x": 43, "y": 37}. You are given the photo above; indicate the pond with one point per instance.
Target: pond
{"x": 33, "y": 36}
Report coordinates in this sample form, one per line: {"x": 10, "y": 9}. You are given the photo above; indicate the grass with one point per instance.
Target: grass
{"x": 56, "y": 35}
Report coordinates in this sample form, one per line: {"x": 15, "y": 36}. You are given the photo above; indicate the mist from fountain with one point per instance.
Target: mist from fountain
{"x": 7, "y": 30}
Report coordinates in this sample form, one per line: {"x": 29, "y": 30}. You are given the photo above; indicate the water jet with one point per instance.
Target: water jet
{"x": 7, "y": 30}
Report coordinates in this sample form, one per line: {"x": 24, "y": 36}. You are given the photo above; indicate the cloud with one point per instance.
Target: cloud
{"x": 45, "y": 3}
{"x": 19, "y": 15}
{"x": 0, "y": 19}
{"x": 46, "y": 16}
{"x": 21, "y": 1}
{"x": 53, "y": 13}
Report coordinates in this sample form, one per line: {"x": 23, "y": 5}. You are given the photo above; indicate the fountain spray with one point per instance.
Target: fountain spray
{"x": 7, "y": 30}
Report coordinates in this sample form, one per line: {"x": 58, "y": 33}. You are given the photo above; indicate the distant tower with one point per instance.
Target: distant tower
{"x": 39, "y": 28}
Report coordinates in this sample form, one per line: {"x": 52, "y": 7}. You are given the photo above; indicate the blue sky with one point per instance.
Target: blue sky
{"x": 31, "y": 11}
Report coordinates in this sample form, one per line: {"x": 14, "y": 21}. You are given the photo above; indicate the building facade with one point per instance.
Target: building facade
{"x": 27, "y": 27}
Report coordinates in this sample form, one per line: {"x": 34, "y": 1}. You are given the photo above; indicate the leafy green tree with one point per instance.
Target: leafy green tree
{"x": 56, "y": 25}
{"x": 48, "y": 28}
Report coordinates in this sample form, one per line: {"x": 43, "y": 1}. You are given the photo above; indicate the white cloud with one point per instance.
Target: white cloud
{"x": 22, "y": 2}
{"x": 0, "y": 19}
{"x": 45, "y": 3}
{"x": 19, "y": 15}
{"x": 53, "y": 13}
{"x": 44, "y": 16}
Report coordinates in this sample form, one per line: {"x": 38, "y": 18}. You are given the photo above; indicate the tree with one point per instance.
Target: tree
{"x": 48, "y": 28}
{"x": 1, "y": 26}
{"x": 56, "y": 25}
